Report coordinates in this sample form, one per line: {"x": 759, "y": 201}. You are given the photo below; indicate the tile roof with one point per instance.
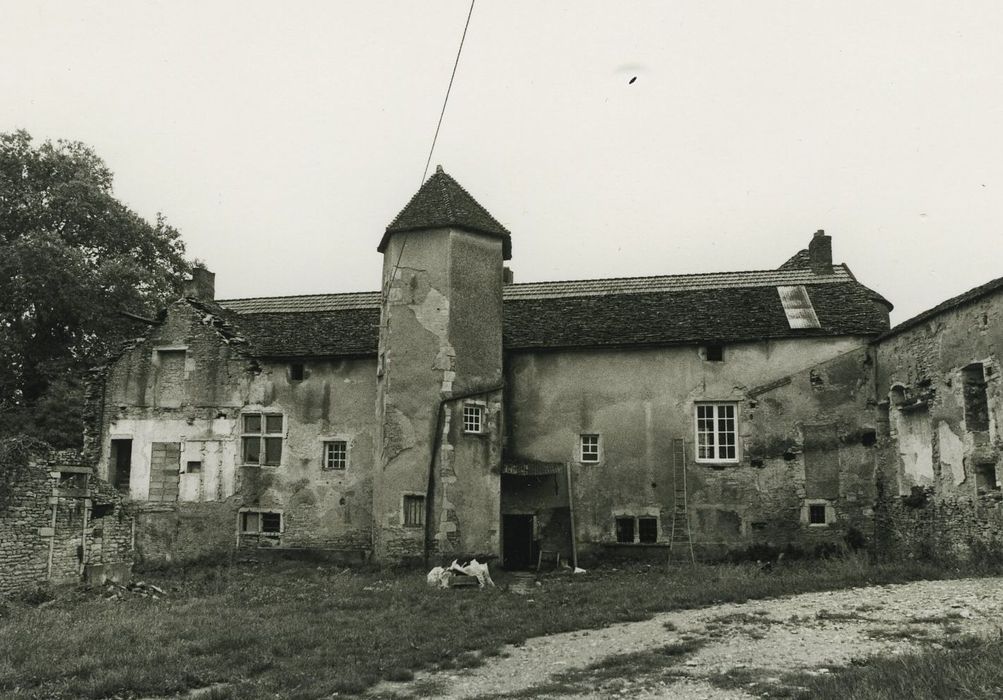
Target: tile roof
{"x": 670, "y": 309}
{"x": 729, "y": 314}
{"x": 561, "y": 289}
{"x": 442, "y": 202}
{"x": 971, "y": 295}
{"x": 304, "y": 302}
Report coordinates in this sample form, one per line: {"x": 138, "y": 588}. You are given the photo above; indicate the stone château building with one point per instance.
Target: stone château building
{"x": 455, "y": 411}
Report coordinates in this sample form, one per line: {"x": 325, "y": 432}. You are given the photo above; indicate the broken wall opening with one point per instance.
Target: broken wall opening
{"x": 976, "y": 402}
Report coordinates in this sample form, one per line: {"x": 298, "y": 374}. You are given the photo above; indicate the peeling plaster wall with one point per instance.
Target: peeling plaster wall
{"x": 440, "y": 336}
{"x": 334, "y": 401}
{"x": 932, "y": 454}
{"x": 639, "y": 400}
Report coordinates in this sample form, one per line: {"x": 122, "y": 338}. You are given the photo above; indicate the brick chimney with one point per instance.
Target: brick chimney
{"x": 202, "y": 285}
{"x": 820, "y": 253}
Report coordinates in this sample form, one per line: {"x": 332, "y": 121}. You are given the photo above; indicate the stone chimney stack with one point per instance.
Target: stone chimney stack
{"x": 202, "y": 285}
{"x": 820, "y": 253}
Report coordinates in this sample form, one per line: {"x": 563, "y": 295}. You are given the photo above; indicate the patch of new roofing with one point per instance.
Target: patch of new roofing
{"x": 562, "y": 289}
{"x": 797, "y": 306}
{"x": 441, "y": 203}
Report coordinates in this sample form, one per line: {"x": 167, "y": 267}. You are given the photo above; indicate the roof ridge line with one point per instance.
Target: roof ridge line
{"x": 682, "y": 274}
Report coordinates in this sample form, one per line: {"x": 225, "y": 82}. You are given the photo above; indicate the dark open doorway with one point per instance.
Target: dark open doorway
{"x": 519, "y": 549}
{"x": 120, "y": 464}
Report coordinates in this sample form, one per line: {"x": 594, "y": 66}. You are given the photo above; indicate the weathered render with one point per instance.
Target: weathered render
{"x": 938, "y": 383}
{"x": 449, "y": 412}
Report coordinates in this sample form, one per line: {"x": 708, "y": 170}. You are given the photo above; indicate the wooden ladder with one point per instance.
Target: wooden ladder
{"x": 680, "y": 538}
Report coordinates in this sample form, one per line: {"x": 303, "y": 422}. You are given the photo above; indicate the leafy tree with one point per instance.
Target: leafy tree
{"x": 71, "y": 257}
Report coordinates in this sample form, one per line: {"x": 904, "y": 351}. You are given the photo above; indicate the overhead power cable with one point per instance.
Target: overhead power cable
{"x": 448, "y": 90}
{"x": 435, "y": 138}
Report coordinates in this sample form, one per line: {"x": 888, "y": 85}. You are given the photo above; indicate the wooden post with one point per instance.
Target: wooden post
{"x": 52, "y": 539}
{"x": 571, "y": 513}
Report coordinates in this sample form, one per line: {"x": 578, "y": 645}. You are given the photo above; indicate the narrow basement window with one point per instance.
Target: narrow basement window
{"x": 296, "y": 372}
{"x": 714, "y": 353}
{"x": 647, "y": 529}
{"x": 260, "y": 523}
{"x": 414, "y": 510}
{"x": 816, "y": 514}
{"x": 625, "y": 529}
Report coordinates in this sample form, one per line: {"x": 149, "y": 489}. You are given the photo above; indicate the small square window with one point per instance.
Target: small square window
{"x": 625, "y": 529}
{"x": 647, "y": 529}
{"x": 816, "y": 514}
{"x": 414, "y": 511}
{"x": 335, "y": 454}
{"x": 590, "y": 448}
{"x": 193, "y": 467}
{"x": 473, "y": 418}
{"x": 714, "y": 353}
{"x": 296, "y": 372}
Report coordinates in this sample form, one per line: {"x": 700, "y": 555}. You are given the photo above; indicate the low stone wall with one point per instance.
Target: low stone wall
{"x": 918, "y": 527}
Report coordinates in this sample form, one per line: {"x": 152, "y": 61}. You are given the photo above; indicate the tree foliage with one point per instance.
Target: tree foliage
{"x": 71, "y": 256}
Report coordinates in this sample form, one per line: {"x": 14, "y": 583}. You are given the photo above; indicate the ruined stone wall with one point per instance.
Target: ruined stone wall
{"x": 90, "y": 527}
{"x": 938, "y": 384}
{"x": 640, "y": 400}
{"x": 181, "y": 394}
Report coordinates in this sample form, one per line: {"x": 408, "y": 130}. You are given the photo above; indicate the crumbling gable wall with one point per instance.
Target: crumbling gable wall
{"x": 177, "y": 401}
{"x": 938, "y": 383}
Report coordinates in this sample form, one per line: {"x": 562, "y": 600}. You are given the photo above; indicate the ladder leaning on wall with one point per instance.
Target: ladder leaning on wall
{"x": 680, "y": 537}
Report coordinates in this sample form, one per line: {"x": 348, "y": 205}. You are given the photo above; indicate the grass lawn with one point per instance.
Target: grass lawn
{"x": 301, "y": 630}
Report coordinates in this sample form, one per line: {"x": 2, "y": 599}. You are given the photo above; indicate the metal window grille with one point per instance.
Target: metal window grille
{"x": 590, "y": 448}
{"x": 473, "y": 418}
{"x": 717, "y": 434}
{"x": 414, "y": 511}
{"x": 336, "y": 454}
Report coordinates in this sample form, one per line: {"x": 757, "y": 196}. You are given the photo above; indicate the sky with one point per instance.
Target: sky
{"x": 282, "y": 138}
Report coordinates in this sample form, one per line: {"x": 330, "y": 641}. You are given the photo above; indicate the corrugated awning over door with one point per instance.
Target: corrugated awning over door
{"x": 797, "y": 306}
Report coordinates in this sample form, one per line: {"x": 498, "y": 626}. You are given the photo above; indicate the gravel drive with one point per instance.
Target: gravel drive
{"x": 757, "y": 641}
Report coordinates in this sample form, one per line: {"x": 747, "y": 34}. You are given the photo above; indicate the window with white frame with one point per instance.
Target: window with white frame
{"x": 473, "y": 418}
{"x": 261, "y": 439}
{"x": 257, "y": 522}
{"x": 717, "y": 432}
{"x": 335, "y": 454}
{"x": 589, "y": 447}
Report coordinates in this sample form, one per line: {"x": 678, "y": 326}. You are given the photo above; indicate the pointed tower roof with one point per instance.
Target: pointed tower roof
{"x": 443, "y": 203}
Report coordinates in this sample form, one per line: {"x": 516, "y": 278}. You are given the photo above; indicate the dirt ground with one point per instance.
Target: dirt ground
{"x": 727, "y": 651}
